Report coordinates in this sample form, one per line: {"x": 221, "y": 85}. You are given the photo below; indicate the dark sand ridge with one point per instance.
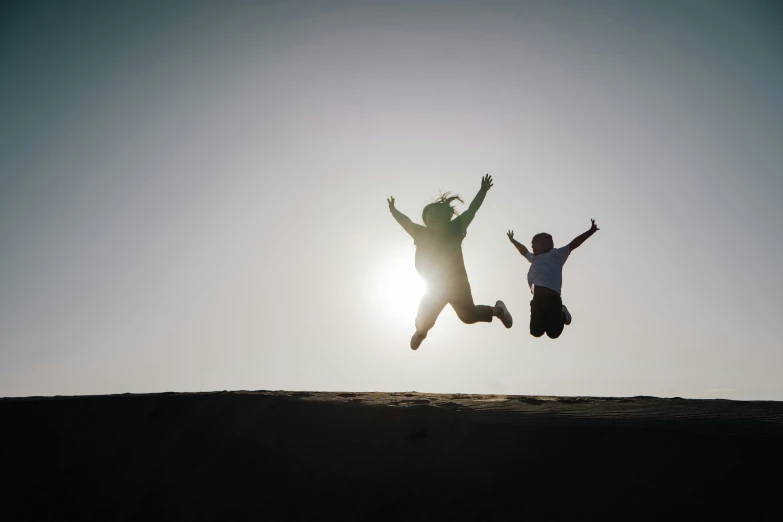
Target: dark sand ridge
{"x": 388, "y": 456}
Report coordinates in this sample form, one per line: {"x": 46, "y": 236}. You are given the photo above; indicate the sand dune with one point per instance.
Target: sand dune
{"x": 389, "y": 456}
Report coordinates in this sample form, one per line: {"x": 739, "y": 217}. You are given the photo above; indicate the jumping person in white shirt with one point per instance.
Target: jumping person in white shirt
{"x": 548, "y": 314}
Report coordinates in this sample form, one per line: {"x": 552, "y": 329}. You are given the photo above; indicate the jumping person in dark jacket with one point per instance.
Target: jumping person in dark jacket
{"x": 440, "y": 263}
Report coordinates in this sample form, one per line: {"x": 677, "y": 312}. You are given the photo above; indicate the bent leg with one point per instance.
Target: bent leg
{"x": 553, "y": 330}
{"x": 468, "y": 312}
{"x": 537, "y": 319}
{"x": 430, "y": 308}
{"x": 555, "y": 322}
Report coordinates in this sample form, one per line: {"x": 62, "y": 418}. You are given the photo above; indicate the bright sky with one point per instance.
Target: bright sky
{"x": 193, "y": 195}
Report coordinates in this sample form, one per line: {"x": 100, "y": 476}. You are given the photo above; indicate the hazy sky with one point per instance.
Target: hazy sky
{"x": 193, "y": 194}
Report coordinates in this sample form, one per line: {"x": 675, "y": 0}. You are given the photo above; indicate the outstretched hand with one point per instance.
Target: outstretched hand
{"x": 486, "y": 182}
{"x": 578, "y": 240}
{"x": 510, "y": 235}
{"x": 390, "y": 201}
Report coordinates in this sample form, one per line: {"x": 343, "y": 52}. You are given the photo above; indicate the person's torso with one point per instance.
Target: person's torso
{"x": 439, "y": 253}
{"x": 546, "y": 270}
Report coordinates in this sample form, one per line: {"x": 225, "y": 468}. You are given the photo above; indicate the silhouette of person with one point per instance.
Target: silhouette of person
{"x": 548, "y": 314}
{"x": 440, "y": 263}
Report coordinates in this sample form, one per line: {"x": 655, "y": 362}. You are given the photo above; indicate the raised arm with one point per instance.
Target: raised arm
{"x": 467, "y": 217}
{"x": 405, "y": 222}
{"x": 578, "y": 240}
{"x": 522, "y": 248}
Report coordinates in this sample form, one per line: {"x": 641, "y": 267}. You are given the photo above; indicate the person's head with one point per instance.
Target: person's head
{"x": 542, "y": 243}
{"x": 437, "y": 214}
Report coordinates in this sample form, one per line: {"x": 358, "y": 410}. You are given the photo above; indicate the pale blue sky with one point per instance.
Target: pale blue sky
{"x": 193, "y": 195}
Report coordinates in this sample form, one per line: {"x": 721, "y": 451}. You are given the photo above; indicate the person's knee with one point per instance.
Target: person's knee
{"x": 467, "y": 318}
{"x": 536, "y": 333}
{"x": 466, "y": 314}
{"x": 554, "y": 334}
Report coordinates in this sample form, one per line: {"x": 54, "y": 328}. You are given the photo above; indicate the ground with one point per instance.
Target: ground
{"x": 389, "y": 456}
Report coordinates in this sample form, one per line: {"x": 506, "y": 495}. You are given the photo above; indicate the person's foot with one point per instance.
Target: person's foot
{"x": 505, "y": 316}
{"x": 416, "y": 341}
{"x": 566, "y": 316}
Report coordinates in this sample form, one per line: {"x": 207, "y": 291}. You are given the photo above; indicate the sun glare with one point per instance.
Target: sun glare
{"x": 399, "y": 290}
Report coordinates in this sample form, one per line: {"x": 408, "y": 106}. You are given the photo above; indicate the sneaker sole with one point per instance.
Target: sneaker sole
{"x": 505, "y": 313}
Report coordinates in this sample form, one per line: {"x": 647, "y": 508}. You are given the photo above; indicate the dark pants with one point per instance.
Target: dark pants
{"x": 433, "y": 303}
{"x": 546, "y": 316}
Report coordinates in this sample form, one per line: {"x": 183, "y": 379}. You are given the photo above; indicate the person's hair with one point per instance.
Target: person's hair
{"x": 442, "y": 204}
{"x": 540, "y": 235}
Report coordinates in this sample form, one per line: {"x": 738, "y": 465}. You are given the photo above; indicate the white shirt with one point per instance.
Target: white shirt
{"x": 547, "y": 269}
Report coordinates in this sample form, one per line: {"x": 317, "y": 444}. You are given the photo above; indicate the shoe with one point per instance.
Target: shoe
{"x": 566, "y": 316}
{"x": 505, "y": 316}
{"x": 416, "y": 341}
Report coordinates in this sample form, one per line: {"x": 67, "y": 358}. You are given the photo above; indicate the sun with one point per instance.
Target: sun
{"x": 400, "y": 289}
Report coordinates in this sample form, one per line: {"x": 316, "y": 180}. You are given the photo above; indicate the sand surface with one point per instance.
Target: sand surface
{"x": 388, "y": 456}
